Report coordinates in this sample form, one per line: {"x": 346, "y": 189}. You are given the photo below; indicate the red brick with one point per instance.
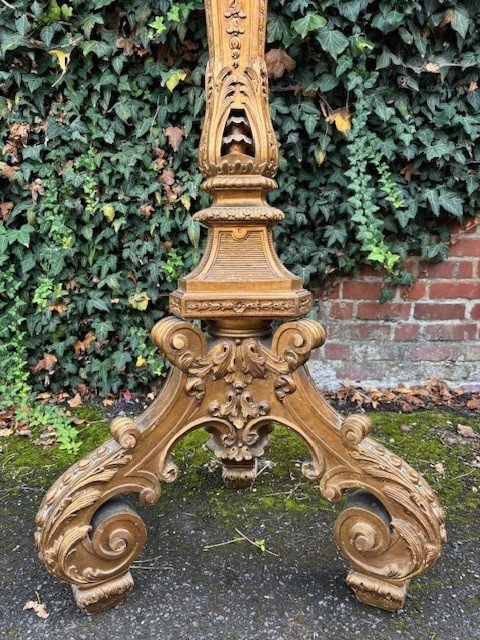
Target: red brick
{"x": 331, "y": 291}
{"x": 425, "y": 311}
{"x": 371, "y": 331}
{"x": 337, "y": 351}
{"x": 378, "y": 371}
{"x": 475, "y": 312}
{"x": 466, "y": 246}
{"x": 453, "y": 331}
{"x": 470, "y": 226}
{"x": 449, "y": 269}
{"x": 391, "y": 311}
{"x": 454, "y": 289}
{"x": 369, "y": 271}
{"x": 362, "y": 290}
{"x": 434, "y": 352}
{"x": 407, "y": 332}
{"x": 417, "y": 292}
{"x": 342, "y": 310}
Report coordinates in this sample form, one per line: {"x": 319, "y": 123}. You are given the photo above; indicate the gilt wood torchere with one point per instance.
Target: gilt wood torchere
{"x": 235, "y": 379}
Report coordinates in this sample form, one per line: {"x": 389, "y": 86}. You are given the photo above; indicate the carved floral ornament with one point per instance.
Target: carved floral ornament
{"x": 237, "y": 381}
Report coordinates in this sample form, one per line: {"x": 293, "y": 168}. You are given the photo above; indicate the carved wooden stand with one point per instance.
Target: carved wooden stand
{"x": 236, "y": 380}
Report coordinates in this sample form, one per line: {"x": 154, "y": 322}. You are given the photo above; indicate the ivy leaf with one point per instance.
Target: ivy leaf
{"x": 460, "y": 20}
{"x": 174, "y": 78}
{"x": 123, "y": 111}
{"x": 309, "y": 22}
{"x": 159, "y": 25}
{"x": 139, "y": 301}
{"x": 451, "y": 202}
{"x": 341, "y": 118}
{"x": 63, "y": 59}
{"x": 351, "y": 9}
{"x": 332, "y": 41}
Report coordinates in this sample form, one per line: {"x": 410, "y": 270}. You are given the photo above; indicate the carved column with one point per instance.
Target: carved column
{"x": 236, "y": 380}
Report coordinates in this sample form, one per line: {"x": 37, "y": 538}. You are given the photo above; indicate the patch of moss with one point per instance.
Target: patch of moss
{"x": 422, "y": 447}
{"x": 281, "y": 487}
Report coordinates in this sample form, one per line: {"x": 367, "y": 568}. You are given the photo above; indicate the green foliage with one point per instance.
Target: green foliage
{"x": 15, "y": 390}
{"x": 99, "y": 228}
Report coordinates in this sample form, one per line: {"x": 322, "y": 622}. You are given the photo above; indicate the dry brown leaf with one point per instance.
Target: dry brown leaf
{"x": 45, "y": 364}
{"x": 107, "y": 402}
{"x": 8, "y": 171}
{"x": 75, "y": 401}
{"x": 440, "y": 469}
{"x": 5, "y": 208}
{"x": 432, "y": 67}
{"x": 174, "y": 136}
{"x": 147, "y": 209}
{"x": 126, "y": 44}
{"x": 36, "y": 189}
{"x": 466, "y": 431}
{"x": 405, "y": 428}
{"x": 4, "y": 432}
{"x": 341, "y": 118}
{"x": 38, "y": 607}
{"x": 47, "y": 438}
{"x": 278, "y": 61}
{"x": 474, "y": 404}
{"x": 59, "y": 307}
{"x": 82, "y": 346}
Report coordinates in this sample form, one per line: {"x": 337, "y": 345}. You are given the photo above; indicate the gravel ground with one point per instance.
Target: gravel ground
{"x": 234, "y": 592}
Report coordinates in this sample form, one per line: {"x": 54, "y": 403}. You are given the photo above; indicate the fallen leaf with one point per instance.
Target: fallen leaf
{"x": 5, "y": 208}
{"x": 47, "y": 438}
{"x": 45, "y": 364}
{"x": 126, "y": 44}
{"x": 59, "y": 307}
{"x": 75, "y": 401}
{"x": 8, "y": 171}
{"x": 107, "y": 402}
{"x": 82, "y": 346}
{"x": 278, "y": 61}
{"x": 175, "y": 137}
{"x": 38, "y": 607}
{"x": 405, "y": 427}
{"x": 147, "y": 209}
{"x": 439, "y": 468}
{"x": 341, "y": 118}
{"x": 36, "y": 189}
{"x": 5, "y": 432}
{"x": 466, "y": 431}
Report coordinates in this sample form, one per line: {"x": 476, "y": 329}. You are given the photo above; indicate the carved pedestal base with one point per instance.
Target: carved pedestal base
{"x": 237, "y": 388}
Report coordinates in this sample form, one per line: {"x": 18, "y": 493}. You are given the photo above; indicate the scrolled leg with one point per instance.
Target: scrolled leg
{"x": 393, "y": 528}
{"x": 88, "y": 536}
{"x": 118, "y": 534}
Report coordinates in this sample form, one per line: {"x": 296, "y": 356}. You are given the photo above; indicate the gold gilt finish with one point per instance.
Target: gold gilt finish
{"x": 236, "y": 380}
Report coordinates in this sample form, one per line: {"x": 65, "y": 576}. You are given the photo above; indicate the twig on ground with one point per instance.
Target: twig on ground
{"x": 221, "y": 544}
{"x": 256, "y": 544}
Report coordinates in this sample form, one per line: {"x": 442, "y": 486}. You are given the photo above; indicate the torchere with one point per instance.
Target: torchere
{"x": 236, "y": 380}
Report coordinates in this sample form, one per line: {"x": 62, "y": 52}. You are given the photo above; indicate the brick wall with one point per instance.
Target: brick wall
{"x": 431, "y": 329}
